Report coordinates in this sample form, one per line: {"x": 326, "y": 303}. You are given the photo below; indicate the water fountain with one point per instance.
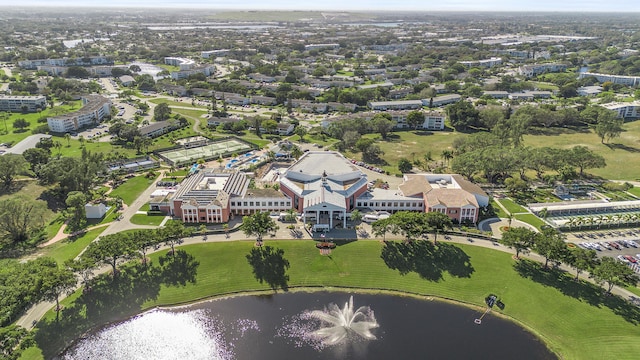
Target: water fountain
{"x": 337, "y": 323}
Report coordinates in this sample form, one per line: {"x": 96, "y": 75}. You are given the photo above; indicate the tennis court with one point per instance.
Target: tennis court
{"x": 207, "y": 152}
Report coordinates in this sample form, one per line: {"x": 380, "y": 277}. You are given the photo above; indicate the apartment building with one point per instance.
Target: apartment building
{"x": 616, "y": 79}
{"x": 94, "y": 109}
{"x": 18, "y": 104}
{"x": 537, "y": 69}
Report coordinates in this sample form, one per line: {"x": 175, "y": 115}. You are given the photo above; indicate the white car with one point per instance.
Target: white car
{"x": 606, "y": 245}
{"x": 632, "y": 243}
{"x": 621, "y": 258}
{"x": 596, "y": 246}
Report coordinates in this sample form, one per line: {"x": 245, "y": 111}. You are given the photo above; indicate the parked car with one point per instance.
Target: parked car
{"x": 631, "y": 259}
{"x": 632, "y": 243}
{"x": 615, "y": 245}
{"x": 606, "y": 245}
{"x": 622, "y": 258}
{"x": 623, "y": 243}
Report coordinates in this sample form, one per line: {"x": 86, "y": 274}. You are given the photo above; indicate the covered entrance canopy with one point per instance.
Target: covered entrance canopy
{"x": 323, "y": 213}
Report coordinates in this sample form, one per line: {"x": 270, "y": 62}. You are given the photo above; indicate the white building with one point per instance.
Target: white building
{"x": 207, "y": 70}
{"x": 18, "y": 104}
{"x": 442, "y": 100}
{"x": 616, "y": 79}
{"x": 537, "y": 69}
{"x": 94, "y": 109}
{"x": 395, "y": 105}
{"x": 625, "y": 110}
{"x": 183, "y": 63}
{"x": 486, "y": 63}
{"x": 95, "y": 211}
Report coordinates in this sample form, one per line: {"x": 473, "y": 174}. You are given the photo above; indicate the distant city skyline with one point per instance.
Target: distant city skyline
{"x": 341, "y": 5}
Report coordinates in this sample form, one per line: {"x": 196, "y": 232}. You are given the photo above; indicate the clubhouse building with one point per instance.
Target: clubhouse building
{"x": 324, "y": 188}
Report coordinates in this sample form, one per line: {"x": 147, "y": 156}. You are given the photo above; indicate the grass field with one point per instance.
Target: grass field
{"x": 575, "y": 319}
{"x": 498, "y": 210}
{"x": 131, "y": 189}
{"x": 511, "y": 206}
{"x": 143, "y": 219}
{"x": 69, "y": 248}
{"x": 618, "y": 153}
{"x": 531, "y": 219}
{"x": 32, "y": 118}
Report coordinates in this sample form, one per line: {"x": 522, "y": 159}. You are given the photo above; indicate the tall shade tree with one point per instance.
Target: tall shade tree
{"x": 520, "y": 239}
{"x": 382, "y": 124}
{"x": 110, "y": 250}
{"x": 172, "y": 234}
{"x": 57, "y": 282}
{"x": 258, "y": 225}
{"x": 14, "y": 340}
{"x": 76, "y": 201}
{"x": 415, "y": 119}
{"x": 582, "y": 259}
{"x": 550, "y": 244}
{"x": 438, "y": 222}
{"x": 161, "y": 112}
{"x": 613, "y": 273}
{"x": 20, "y": 218}
{"x": 583, "y": 158}
{"x": 608, "y": 126}
{"x": 143, "y": 240}
{"x": 413, "y": 225}
{"x": 11, "y": 165}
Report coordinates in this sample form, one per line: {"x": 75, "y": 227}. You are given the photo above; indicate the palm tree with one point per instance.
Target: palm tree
{"x": 447, "y": 155}
{"x": 225, "y": 227}
{"x": 610, "y": 218}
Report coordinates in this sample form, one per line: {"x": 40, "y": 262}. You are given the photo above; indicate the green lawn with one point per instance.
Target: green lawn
{"x": 32, "y": 118}
{"x": 131, "y": 189}
{"x": 531, "y": 219}
{"x": 143, "y": 219}
{"x": 635, "y": 191}
{"x": 69, "y": 248}
{"x": 575, "y": 319}
{"x": 511, "y": 206}
{"x": 412, "y": 145}
{"x": 498, "y": 210}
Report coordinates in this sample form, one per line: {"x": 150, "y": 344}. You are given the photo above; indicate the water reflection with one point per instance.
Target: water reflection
{"x": 281, "y": 327}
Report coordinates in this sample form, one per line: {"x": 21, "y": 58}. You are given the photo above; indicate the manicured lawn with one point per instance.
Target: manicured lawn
{"x": 144, "y": 207}
{"x": 635, "y": 191}
{"x": 531, "y": 219}
{"x": 143, "y": 219}
{"x": 69, "y": 248}
{"x": 498, "y": 210}
{"x": 412, "y": 145}
{"x": 131, "y": 189}
{"x": 574, "y": 319}
{"x": 32, "y": 118}
{"x": 511, "y": 206}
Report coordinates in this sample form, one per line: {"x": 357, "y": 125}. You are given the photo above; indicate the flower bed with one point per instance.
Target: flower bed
{"x": 326, "y": 245}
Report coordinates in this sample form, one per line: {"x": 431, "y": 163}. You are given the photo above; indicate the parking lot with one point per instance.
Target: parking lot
{"x": 621, "y": 244}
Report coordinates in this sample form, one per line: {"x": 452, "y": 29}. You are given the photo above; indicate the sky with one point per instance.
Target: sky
{"x": 337, "y": 5}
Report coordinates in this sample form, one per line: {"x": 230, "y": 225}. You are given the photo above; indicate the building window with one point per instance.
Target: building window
{"x": 264, "y": 203}
{"x": 233, "y": 203}
{"x": 270, "y": 203}
{"x": 250, "y": 203}
{"x": 245, "y": 203}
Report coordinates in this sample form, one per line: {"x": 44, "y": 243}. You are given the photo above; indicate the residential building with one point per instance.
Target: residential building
{"x": 182, "y": 63}
{"x": 158, "y": 128}
{"x": 625, "y": 110}
{"x": 322, "y": 47}
{"x": 616, "y": 79}
{"x": 537, "y": 69}
{"x": 589, "y": 90}
{"x": 485, "y": 63}
{"x": 65, "y": 62}
{"x": 214, "y": 53}
{"x": 441, "y": 100}
{"x": 126, "y": 80}
{"x": 94, "y": 109}
{"x": 497, "y": 94}
{"x": 395, "y": 105}
{"x": 206, "y": 70}
{"x": 19, "y": 104}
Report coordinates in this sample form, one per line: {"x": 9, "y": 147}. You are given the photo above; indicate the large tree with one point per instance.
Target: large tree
{"x": 110, "y": 250}
{"x": 56, "y": 282}
{"x": 608, "y": 126}
{"x": 14, "y": 340}
{"x": 11, "y": 165}
{"x": 613, "y": 273}
{"x": 550, "y": 244}
{"x": 20, "y": 218}
{"x": 583, "y": 158}
{"x": 382, "y": 124}
{"x": 438, "y": 222}
{"x": 161, "y": 112}
{"x": 413, "y": 225}
{"x": 582, "y": 260}
{"x": 463, "y": 115}
{"x": 76, "y": 202}
{"x": 415, "y": 119}
{"x": 258, "y": 225}
{"x": 519, "y": 238}
{"x": 173, "y": 233}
